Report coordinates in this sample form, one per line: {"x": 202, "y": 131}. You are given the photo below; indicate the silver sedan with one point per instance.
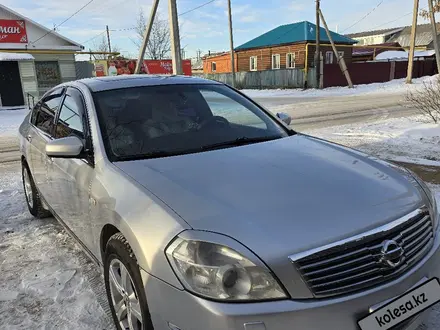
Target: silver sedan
{"x": 205, "y": 211}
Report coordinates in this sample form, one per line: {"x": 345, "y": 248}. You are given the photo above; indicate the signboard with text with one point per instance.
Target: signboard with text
{"x": 13, "y": 31}
{"x": 120, "y": 67}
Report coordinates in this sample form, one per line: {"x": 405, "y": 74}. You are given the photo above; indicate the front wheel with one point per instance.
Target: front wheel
{"x": 124, "y": 287}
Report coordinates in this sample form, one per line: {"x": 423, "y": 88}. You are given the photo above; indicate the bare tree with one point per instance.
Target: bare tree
{"x": 436, "y": 5}
{"x": 102, "y": 46}
{"x": 427, "y": 100}
{"x": 159, "y": 45}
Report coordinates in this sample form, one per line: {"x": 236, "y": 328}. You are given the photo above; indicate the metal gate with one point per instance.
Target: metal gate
{"x": 11, "y": 92}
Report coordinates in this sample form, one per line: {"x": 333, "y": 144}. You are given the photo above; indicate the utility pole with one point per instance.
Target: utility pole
{"x": 146, "y": 37}
{"x": 231, "y": 40}
{"x": 318, "y": 44}
{"x": 341, "y": 60}
{"x": 413, "y": 42}
{"x": 434, "y": 34}
{"x": 175, "y": 38}
{"x": 108, "y": 40}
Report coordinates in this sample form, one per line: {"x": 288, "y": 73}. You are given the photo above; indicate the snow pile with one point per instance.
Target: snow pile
{"x": 10, "y": 121}
{"x": 44, "y": 281}
{"x": 16, "y": 57}
{"x": 393, "y": 86}
{"x": 410, "y": 139}
{"x": 396, "y": 54}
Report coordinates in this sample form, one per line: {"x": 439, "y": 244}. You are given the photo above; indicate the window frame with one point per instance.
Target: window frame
{"x": 87, "y": 140}
{"x": 332, "y": 57}
{"x": 213, "y": 66}
{"x": 37, "y": 108}
{"x": 341, "y": 54}
{"x": 278, "y": 57}
{"x": 256, "y": 63}
{"x": 293, "y": 54}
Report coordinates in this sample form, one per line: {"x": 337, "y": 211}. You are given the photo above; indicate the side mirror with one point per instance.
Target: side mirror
{"x": 68, "y": 147}
{"x": 285, "y": 118}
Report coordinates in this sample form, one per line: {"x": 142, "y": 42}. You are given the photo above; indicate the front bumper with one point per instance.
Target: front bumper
{"x": 169, "y": 305}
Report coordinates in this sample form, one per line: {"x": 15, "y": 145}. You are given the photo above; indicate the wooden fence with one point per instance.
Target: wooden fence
{"x": 283, "y": 78}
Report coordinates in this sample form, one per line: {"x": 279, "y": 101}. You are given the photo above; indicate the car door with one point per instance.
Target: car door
{"x": 71, "y": 178}
{"x": 40, "y": 132}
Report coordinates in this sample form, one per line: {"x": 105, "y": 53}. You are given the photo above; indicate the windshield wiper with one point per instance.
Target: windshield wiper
{"x": 148, "y": 155}
{"x": 240, "y": 142}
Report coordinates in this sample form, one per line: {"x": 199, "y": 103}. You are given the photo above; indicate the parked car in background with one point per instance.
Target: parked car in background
{"x": 205, "y": 211}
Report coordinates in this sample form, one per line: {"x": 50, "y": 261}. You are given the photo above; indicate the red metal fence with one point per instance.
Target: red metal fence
{"x": 373, "y": 72}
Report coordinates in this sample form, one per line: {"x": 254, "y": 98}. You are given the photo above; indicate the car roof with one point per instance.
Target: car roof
{"x": 99, "y": 84}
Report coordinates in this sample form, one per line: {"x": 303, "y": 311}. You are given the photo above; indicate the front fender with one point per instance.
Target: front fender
{"x": 144, "y": 220}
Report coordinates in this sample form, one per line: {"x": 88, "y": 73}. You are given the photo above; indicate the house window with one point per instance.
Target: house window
{"x": 253, "y": 66}
{"x": 276, "y": 61}
{"x": 290, "y": 60}
{"x": 213, "y": 67}
{"x": 329, "y": 58}
{"x": 48, "y": 74}
{"x": 341, "y": 54}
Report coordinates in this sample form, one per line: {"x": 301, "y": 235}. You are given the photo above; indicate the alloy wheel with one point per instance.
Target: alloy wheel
{"x": 125, "y": 299}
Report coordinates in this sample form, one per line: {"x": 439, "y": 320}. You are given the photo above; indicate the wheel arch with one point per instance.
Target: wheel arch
{"x": 161, "y": 268}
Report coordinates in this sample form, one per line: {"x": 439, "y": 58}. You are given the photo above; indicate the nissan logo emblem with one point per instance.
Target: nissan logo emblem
{"x": 391, "y": 254}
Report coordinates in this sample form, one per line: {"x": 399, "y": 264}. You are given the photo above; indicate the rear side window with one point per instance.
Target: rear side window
{"x": 70, "y": 121}
{"x": 45, "y": 116}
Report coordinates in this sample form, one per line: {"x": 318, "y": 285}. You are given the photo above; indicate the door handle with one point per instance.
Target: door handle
{"x": 29, "y": 138}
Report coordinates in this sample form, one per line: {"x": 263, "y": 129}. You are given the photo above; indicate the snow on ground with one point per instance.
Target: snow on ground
{"x": 45, "y": 277}
{"x": 410, "y": 140}
{"x": 391, "y": 87}
{"x": 10, "y": 121}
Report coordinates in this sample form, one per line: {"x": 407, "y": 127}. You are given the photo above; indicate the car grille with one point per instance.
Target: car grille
{"x": 355, "y": 264}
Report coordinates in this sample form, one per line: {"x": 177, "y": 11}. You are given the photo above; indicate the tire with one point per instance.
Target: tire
{"x": 33, "y": 200}
{"x": 119, "y": 256}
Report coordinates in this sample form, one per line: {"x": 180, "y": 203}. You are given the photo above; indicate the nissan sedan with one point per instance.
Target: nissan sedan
{"x": 206, "y": 211}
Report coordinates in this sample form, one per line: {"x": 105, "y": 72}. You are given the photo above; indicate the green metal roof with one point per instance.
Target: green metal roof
{"x": 293, "y": 33}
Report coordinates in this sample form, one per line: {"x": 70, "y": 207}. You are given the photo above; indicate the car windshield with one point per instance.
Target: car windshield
{"x": 157, "y": 121}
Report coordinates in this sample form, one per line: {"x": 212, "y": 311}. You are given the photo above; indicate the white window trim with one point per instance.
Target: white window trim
{"x": 256, "y": 63}
{"x": 333, "y": 58}
{"x": 341, "y": 53}
{"x": 294, "y": 61}
{"x": 278, "y": 57}
{"x": 215, "y": 66}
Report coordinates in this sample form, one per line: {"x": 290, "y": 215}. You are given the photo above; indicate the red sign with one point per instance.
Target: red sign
{"x": 13, "y": 31}
{"x": 119, "y": 67}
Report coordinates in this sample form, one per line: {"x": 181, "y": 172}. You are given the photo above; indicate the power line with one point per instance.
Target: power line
{"x": 198, "y": 7}
{"x": 93, "y": 38}
{"x": 48, "y": 32}
{"x": 365, "y": 16}
{"x": 184, "y": 13}
{"x": 395, "y": 20}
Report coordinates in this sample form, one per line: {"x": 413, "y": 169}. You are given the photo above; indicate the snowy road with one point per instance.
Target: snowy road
{"x": 47, "y": 281}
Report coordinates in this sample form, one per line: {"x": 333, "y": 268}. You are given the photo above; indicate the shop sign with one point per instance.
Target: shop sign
{"x": 13, "y": 31}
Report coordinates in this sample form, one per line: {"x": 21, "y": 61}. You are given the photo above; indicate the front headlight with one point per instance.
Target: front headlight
{"x": 431, "y": 197}
{"x": 218, "y": 272}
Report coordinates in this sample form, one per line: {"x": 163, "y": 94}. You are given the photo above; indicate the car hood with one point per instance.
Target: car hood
{"x": 290, "y": 194}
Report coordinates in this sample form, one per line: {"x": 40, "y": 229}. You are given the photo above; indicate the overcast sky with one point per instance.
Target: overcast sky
{"x": 207, "y": 28}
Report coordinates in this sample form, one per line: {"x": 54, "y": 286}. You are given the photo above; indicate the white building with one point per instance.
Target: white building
{"x": 32, "y": 58}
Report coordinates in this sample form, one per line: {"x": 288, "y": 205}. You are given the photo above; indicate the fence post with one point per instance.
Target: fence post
{"x": 392, "y": 70}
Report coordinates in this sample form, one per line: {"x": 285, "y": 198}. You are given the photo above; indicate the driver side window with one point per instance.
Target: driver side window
{"x": 232, "y": 111}
{"x": 70, "y": 120}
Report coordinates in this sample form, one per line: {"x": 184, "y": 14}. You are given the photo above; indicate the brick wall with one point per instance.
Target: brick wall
{"x": 264, "y": 56}
{"x": 222, "y": 63}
